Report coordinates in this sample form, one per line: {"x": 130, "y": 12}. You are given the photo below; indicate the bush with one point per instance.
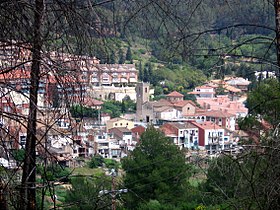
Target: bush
{"x": 109, "y": 163}
{"x": 96, "y": 161}
{"x": 53, "y": 172}
{"x": 142, "y": 51}
{"x": 18, "y": 155}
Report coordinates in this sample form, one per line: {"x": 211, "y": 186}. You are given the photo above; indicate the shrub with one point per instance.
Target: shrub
{"x": 96, "y": 161}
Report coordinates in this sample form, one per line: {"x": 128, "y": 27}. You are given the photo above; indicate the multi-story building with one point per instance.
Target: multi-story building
{"x": 203, "y": 92}
{"x": 183, "y": 134}
{"x": 119, "y": 123}
{"x": 124, "y": 137}
{"x": 107, "y": 146}
{"x": 113, "y": 74}
{"x": 210, "y": 136}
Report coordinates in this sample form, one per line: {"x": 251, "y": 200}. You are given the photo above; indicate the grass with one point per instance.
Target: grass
{"x": 85, "y": 171}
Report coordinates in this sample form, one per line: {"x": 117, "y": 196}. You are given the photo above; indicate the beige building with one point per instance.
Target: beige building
{"x": 112, "y": 92}
{"x": 119, "y": 122}
{"x": 109, "y": 74}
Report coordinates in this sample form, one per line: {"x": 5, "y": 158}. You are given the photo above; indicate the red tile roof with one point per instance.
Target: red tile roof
{"x": 184, "y": 125}
{"x": 184, "y": 103}
{"x": 161, "y": 102}
{"x": 216, "y": 113}
{"x": 206, "y": 125}
{"x": 167, "y": 131}
{"x": 15, "y": 74}
{"x": 87, "y": 101}
{"x": 175, "y": 94}
{"x": 204, "y": 87}
{"x": 138, "y": 129}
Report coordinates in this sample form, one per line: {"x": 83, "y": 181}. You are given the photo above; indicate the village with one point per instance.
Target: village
{"x": 208, "y": 126}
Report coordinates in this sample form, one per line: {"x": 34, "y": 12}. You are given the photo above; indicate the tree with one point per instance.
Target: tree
{"x": 112, "y": 57}
{"x": 146, "y": 76}
{"x": 128, "y": 105}
{"x": 18, "y": 155}
{"x": 121, "y": 56}
{"x": 29, "y": 35}
{"x": 112, "y": 107}
{"x": 140, "y": 74}
{"x": 155, "y": 170}
{"x": 128, "y": 55}
{"x": 150, "y": 73}
{"x": 246, "y": 181}
{"x": 85, "y": 193}
{"x": 96, "y": 161}
{"x": 264, "y": 100}
{"x": 78, "y": 111}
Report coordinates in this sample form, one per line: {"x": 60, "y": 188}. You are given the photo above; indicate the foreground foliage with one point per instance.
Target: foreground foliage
{"x": 155, "y": 170}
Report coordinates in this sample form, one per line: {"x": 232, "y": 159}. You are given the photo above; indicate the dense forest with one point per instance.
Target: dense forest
{"x": 177, "y": 45}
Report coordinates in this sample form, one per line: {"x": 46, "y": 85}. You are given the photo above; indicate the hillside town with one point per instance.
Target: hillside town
{"x": 139, "y": 105}
{"x": 208, "y": 125}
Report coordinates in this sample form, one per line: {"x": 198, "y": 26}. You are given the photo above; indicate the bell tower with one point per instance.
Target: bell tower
{"x": 142, "y": 96}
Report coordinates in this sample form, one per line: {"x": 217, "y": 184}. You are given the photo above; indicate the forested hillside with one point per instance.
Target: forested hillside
{"x": 194, "y": 41}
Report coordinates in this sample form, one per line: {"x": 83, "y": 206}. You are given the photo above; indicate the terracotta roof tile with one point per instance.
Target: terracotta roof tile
{"x": 207, "y": 125}
{"x": 175, "y": 94}
{"x": 167, "y": 131}
{"x": 184, "y": 103}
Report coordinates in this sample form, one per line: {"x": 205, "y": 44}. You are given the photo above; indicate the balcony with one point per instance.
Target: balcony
{"x": 94, "y": 79}
{"x": 132, "y": 80}
{"x": 116, "y": 80}
{"x": 124, "y": 80}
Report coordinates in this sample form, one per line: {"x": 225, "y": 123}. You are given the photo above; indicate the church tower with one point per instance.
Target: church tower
{"x": 142, "y": 96}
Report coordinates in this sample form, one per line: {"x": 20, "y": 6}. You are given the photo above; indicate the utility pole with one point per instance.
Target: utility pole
{"x": 113, "y": 192}
{"x": 113, "y": 174}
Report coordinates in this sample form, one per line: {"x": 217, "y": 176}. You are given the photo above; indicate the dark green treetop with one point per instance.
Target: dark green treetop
{"x": 155, "y": 170}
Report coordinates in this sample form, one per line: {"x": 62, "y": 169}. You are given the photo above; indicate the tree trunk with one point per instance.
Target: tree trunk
{"x": 28, "y": 190}
{"x": 3, "y": 198}
{"x": 277, "y": 27}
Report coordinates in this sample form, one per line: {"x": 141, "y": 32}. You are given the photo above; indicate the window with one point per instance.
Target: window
{"x": 146, "y": 90}
{"x": 22, "y": 140}
{"x": 116, "y": 124}
{"x": 121, "y": 124}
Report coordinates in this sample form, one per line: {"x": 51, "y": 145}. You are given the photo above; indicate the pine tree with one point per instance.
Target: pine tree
{"x": 128, "y": 56}
{"x": 156, "y": 169}
{"x": 150, "y": 73}
{"x": 112, "y": 58}
{"x": 140, "y": 76}
{"x": 146, "y": 75}
{"x": 121, "y": 57}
